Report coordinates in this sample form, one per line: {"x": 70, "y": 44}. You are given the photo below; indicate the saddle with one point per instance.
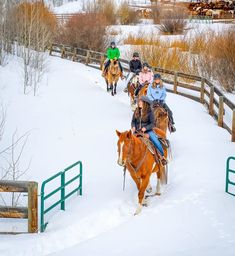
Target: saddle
{"x": 165, "y": 144}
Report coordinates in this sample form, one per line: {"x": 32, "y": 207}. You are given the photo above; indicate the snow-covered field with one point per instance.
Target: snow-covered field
{"x": 78, "y": 5}
{"x": 73, "y": 118}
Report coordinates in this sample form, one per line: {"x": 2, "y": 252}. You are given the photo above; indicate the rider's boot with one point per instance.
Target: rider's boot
{"x": 122, "y": 76}
{"x": 172, "y": 127}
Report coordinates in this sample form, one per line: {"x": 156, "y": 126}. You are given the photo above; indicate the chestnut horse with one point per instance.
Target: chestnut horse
{"x": 143, "y": 91}
{"x": 132, "y": 85}
{"x": 140, "y": 162}
{"x": 112, "y": 76}
{"x": 161, "y": 119}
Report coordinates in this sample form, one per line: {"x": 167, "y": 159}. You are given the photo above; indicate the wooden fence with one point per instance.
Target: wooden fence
{"x": 30, "y": 212}
{"x": 198, "y": 88}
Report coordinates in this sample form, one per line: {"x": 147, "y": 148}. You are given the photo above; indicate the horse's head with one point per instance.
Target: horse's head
{"x": 134, "y": 81}
{"x": 114, "y": 67}
{"x": 124, "y": 143}
{"x": 161, "y": 117}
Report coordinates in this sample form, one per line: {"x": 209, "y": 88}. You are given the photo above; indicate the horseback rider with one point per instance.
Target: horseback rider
{"x": 143, "y": 122}
{"x": 135, "y": 67}
{"x": 145, "y": 77}
{"x": 157, "y": 94}
{"x": 113, "y": 53}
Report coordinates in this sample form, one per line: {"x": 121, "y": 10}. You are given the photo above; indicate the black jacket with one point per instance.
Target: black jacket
{"x": 135, "y": 65}
{"x": 138, "y": 123}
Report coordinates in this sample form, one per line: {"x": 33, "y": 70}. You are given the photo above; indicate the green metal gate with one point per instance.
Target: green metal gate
{"x": 228, "y": 171}
{"x": 61, "y": 189}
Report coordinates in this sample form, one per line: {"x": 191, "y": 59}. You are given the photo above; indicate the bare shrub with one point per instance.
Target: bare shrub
{"x": 105, "y": 8}
{"x": 34, "y": 30}
{"x": 223, "y": 53}
{"x": 156, "y": 11}
{"x": 81, "y": 31}
{"x": 172, "y": 21}
{"x": 126, "y": 14}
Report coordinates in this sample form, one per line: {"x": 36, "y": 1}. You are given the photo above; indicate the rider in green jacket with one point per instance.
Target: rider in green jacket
{"x": 113, "y": 53}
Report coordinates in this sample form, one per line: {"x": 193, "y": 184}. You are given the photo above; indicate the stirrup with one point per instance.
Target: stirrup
{"x": 164, "y": 161}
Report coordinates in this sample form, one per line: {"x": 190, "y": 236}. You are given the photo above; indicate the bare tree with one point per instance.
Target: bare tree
{"x": 34, "y": 31}
{"x": 11, "y": 162}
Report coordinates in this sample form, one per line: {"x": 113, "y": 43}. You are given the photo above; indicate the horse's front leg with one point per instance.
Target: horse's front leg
{"x": 144, "y": 184}
{"x": 107, "y": 83}
{"x": 136, "y": 180}
{"x": 115, "y": 88}
{"x": 112, "y": 89}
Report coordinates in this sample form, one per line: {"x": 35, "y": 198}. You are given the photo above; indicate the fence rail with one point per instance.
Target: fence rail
{"x": 61, "y": 189}
{"x": 229, "y": 170}
{"x": 202, "y": 90}
{"x": 30, "y": 212}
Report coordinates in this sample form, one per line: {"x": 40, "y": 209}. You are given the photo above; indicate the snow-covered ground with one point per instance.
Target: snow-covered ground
{"x": 73, "y": 118}
{"x": 78, "y": 5}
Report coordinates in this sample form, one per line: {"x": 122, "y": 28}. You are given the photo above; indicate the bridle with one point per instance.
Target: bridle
{"x": 128, "y": 162}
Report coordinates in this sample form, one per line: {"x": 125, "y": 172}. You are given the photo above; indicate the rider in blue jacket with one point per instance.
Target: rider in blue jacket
{"x": 157, "y": 94}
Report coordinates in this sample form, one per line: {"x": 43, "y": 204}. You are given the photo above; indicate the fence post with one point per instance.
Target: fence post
{"x": 175, "y": 82}
{"x": 62, "y": 205}
{"x": 50, "y": 51}
{"x": 87, "y": 57}
{"x": 62, "y": 52}
{"x": 221, "y": 111}
{"x": 80, "y": 179}
{"x": 233, "y": 126}
{"x": 211, "y": 103}
{"x": 74, "y": 54}
{"x": 203, "y": 91}
{"x": 33, "y": 207}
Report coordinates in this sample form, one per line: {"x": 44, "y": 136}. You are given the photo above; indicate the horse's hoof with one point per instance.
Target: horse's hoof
{"x": 158, "y": 193}
{"x": 138, "y": 210}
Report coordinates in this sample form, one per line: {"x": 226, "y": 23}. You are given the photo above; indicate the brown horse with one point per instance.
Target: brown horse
{"x": 132, "y": 85}
{"x": 143, "y": 90}
{"x": 112, "y": 76}
{"x": 161, "y": 119}
{"x": 140, "y": 162}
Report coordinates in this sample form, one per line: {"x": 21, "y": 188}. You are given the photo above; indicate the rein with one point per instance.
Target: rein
{"x": 135, "y": 169}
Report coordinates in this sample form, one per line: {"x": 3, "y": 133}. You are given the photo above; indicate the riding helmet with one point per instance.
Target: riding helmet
{"x": 112, "y": 43}
{"x": 145, "y": 64}
{"x": 136, "y": 54}
{"x": 157, "y": 76}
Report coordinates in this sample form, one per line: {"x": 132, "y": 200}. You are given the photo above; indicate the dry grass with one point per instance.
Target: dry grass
{"x": 183, "y": 45}
{"x": 141, "y": 39}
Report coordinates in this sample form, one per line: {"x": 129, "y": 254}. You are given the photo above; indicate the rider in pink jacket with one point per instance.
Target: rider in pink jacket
{"x": 145, "y": 77}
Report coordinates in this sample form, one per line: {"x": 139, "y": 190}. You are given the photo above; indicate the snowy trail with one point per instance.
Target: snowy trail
{"x": 75, "y": 119}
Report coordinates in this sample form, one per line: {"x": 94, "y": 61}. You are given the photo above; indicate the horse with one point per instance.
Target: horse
{"x": 132, "y": 85}
{"x": 161, "y": 119}
{"x": 134, "y": 155}
{"x": 112, "y": 76}
{"x": 143, "y": 90}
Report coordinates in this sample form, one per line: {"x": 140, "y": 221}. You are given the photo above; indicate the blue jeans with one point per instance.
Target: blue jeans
{"x": 154, "y": 139}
